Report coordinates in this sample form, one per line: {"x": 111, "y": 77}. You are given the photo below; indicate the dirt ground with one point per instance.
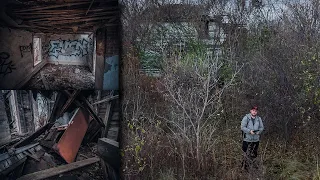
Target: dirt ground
{"x": 62, "y": 77}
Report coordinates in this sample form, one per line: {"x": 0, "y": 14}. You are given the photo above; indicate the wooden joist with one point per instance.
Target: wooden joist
{"x": 66, "y": 11}
{"x": 58, "y": 170}
{"x": 52, "y": 6}
{"x": 80, "y": 20}
{"x": 69, "y": 17}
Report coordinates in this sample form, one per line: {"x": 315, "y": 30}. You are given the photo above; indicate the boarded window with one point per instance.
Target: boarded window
{"x": 37, "y": 50}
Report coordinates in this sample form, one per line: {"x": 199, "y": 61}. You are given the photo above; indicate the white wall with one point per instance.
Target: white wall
{"x": 72, "y": 49}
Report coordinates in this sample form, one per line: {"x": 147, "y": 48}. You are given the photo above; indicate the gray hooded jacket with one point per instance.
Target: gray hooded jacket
{"x": 247, "y": 125}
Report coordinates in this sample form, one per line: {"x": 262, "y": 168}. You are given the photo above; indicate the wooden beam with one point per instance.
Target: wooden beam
{"x": 107, "y": 99}
{"x": 44, "y": 81}
{"x": 86, "y": 105}
{"x": 59, "y": 170}
{"x": 105, "y": 120}
{"x": 23, "y": 82}
{"x": 91, "y": 110}
{"x": 69, "y": 102}
{"x": 52, "y": 6}
{"x": 79, "y": 20}
{"x": 66, "y": 11}
{"x": 89, "y": 7}
{"x": 69, "y": 17}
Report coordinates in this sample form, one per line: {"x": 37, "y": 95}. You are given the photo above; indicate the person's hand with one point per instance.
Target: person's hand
{"x": 251, "y": 132}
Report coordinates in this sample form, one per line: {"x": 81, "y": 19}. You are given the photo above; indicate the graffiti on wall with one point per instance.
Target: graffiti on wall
{"x": 6, "y": 66}
{"x": 25, "y": 49}
{"x": 68, "y": 48}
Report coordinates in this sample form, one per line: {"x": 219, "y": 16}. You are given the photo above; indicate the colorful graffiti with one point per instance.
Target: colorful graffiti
{"x": 68, "y": 48}
{"x": 24, "y": 49}
{"x": 6, "y": 66}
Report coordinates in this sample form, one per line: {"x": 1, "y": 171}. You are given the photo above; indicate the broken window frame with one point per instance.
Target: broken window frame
{"x": 36, "y": 60}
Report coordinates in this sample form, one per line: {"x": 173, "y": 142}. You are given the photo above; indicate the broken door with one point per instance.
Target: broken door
{"x": 71, "y": 139}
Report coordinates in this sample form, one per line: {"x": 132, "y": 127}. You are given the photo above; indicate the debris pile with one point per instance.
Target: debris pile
{"x": 81, "y": 131}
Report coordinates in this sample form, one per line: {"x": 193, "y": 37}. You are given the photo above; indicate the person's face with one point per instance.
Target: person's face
{"x": 253, "y": 112}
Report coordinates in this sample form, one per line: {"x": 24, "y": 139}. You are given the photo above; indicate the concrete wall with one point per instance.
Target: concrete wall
{"x": 72, "y": 49}
{"x": 16, "y": 59}
{"x": 5, "y": 135}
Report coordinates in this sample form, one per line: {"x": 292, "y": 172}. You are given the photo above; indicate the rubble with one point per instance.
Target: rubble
{"x": 62, "y": 77}
{"x": 69, "y": 141}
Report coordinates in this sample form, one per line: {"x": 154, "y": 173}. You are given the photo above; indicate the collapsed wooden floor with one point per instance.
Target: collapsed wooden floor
{"x": 81, "y": 131}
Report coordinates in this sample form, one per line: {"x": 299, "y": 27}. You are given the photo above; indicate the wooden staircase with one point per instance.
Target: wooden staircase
{"x": 109, "y": 112}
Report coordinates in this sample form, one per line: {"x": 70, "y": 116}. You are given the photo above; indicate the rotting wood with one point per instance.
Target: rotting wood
{"x": 58, "y": 170}
{"x": 32, "y": 156}
{"x": 107, "y": 99}
{"x": 45, "y": 127}
{"x": 81, "y": 20}
{"x": 67, "y": 17}
{"x": 52, "y": 6}
{"x": 32, "y": 136}
{"x": 91, "y": 111}
{"x": 29, "y": 76}
{"x": 15, "y": 165}
{"x": 69, "y": 102}
{"x": 43, "y": 79}
{"x": 86, "y": 105}
{"x": 89, "y": 6}
{"x": 106, "y": 119}
{"x": 65, "y": 11}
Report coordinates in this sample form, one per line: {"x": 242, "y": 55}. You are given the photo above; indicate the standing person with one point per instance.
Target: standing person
{"x": 252, "y": 126}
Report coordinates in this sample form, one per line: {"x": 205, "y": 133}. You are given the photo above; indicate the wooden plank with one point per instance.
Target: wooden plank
{"x": 79, "y": 20}
{"x": 58, "y": 170}
{"x": 52, "y": 6}
{"x": 32, "y": 156}
{"x": 69, "y": 102}
{"x": 91, "y": 110}
{"x": 15, "y": 165}
{"x": 86, "y": 106}
{"x": 107, "y": 99}
{"x": 41, "y": 130}
{"x": 23, "y": 82}
{"x": 89, "y": 7}
{"x": 44, "y": 81}
{"x": 65, "y": 11}
{"x": 105, "y": 120}
{"x": 67, "y": 17}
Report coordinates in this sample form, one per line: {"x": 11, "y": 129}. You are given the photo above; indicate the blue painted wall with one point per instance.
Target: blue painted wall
{"x": 111, "y": 73}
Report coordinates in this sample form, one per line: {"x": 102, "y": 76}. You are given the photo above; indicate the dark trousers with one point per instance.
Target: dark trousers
{"x": 250, "y": 152}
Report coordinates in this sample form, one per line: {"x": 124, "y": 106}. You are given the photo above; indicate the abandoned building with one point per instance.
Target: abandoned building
{"x": 64, "y": 44}
{"x": 171, "y": 28}
{"x": 59, "y": 134}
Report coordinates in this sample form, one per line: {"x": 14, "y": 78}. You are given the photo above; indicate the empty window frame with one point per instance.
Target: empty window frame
{"x": 37, "y": 55}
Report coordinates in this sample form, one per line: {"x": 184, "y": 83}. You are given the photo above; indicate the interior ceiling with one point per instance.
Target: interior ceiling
{"x": 60, "y": 16}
